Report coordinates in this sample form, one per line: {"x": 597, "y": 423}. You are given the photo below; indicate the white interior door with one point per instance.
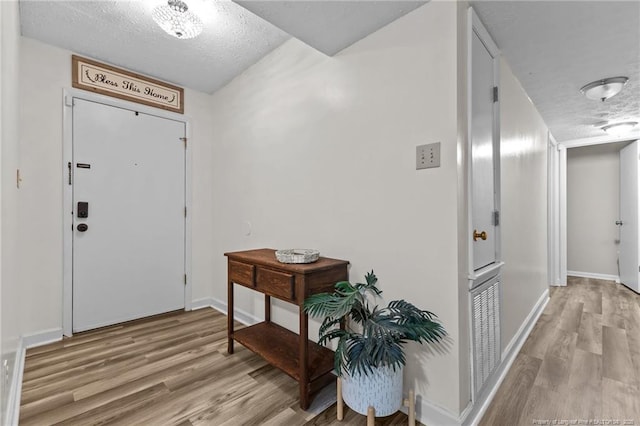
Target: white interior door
{"x": 482, "y": 155}
{"x": 629, "y": 256}
{"x": 129, "y": 168}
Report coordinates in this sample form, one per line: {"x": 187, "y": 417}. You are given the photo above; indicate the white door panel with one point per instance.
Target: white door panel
{"x": 130, "y": 261}
{"x": 629, "y": 257}
{"x": 482, "y": 154}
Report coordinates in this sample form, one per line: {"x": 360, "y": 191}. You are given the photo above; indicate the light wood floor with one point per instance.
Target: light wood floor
{"x": 580, "y": 363}
{"x": 167, "y": 370}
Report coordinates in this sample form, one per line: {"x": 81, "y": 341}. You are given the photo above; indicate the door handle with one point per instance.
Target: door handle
{"x": 82, "y": 227}
{"x": 619, "y": 222}
{"x": 482, "y": 235}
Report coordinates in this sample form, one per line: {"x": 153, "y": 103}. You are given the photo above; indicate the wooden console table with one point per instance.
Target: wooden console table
{"x": 305, "y": 361}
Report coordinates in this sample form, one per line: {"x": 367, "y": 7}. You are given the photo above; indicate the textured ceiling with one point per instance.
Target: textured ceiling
{"x": 330, "y": 26}
{"x": 556, "y": 47}
{"x": 553, "y": 47}
{"x": 123, "y": 33}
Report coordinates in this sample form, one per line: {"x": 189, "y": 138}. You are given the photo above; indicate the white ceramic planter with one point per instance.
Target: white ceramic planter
{"x": 381, "y": 390}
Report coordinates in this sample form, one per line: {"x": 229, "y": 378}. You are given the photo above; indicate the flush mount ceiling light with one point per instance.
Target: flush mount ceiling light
{"x": 175, "y": 18}
{"x": 604, "y": 89}
{"x": 620, "y": 129}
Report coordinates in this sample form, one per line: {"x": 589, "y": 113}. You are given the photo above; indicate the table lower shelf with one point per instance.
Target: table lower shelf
{"x": 280, "y": 348}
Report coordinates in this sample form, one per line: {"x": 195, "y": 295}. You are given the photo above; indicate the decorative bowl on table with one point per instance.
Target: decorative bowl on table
{"x": 297, "y": 255}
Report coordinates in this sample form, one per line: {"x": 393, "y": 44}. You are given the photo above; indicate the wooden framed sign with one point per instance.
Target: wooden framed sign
{"x": 111, "y": 81}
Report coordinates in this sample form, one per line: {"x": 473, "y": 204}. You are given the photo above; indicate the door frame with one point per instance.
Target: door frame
{"x": 557, "y": 226}
{"x": 67, "y": 204}
{"x": 474, "y": 25}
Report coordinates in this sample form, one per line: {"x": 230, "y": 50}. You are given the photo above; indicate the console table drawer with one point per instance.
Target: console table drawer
{"x": 242, "y": 273}
{"x": 274, "y": 283}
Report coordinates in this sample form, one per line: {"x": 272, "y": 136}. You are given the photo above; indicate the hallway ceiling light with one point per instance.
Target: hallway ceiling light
{"x": 604, "y": 89}
{"x": 620, "y": 129}
{"x": 175, "y": 18}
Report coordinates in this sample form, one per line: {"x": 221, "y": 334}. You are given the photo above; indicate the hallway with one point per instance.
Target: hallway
{"x": 581, "y": 362}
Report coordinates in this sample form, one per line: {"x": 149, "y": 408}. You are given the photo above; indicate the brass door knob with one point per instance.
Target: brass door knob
{"x": 482, "y": 235}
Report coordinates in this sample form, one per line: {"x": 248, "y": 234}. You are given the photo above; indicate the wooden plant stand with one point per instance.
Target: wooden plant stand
{"x": 409, "y": 402}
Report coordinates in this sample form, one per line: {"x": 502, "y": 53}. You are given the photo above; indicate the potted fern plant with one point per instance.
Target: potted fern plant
{"x": 369, "y": 355}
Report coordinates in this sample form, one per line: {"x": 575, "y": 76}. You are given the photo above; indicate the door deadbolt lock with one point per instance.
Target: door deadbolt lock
{"x": 482, "y": 235}
{"x": 82, "y": 227}
{"x": 83, "y": 209}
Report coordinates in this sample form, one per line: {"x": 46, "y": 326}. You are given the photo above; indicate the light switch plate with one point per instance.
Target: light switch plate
{"x": 428, "y": 156}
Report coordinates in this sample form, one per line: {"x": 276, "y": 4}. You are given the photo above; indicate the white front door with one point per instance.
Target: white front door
{"x": 483, "y": 204}
{"x": 128, "y": 174}
{"x": 629, "y": 257}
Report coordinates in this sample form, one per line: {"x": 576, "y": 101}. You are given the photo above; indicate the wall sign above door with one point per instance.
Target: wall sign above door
{"x": 111, "y": 81}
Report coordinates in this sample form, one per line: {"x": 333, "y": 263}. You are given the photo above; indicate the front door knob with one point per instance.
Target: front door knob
{"x": 482, "y": 235}
{"x": 82, "y": 227}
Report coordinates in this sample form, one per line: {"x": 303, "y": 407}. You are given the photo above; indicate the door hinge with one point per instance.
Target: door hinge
{"x": 185, "y": 142}
{"x": 495, "y": 94}
{"x": 185, "y": 279}
{"x": 18, "y": 178}
{"x": 185, "y": 212}
{"x": 496, "y": 218}
{"x": 69, "y": 171}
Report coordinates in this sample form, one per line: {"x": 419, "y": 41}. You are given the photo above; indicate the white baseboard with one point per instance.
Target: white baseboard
{"x": 480, "y": 406}
{"x": 594, "y": 275}
{"x": 42, "y": 338}
{"x": 15, "y": 387}
{"x": 429, "y": 413}
{"x": 220, "y": 306}
{"x": 15, "y": 390}
{"x": 201, "y": 303}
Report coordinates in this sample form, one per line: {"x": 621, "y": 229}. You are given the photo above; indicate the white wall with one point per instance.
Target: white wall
{"x": 10, "y": 329}
{"x": 319, "y": 152}
{"x": 523, "y": 162}
{"x": 593, "y": 203}
{"x": 45, "y": 71}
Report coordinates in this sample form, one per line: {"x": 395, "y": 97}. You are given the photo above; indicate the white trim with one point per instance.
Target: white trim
{"x": 525, "y": 328}
{"x": 594, "y": 275}
{"x": 598, "y": 140}
{"x": 480, "y": 406}
{"x": 429, "y": 413}
{"x": 67, "y": 138}
{"x": 221, "y": 306}
{"x": 42, "y": 338}
{"x": 553, "y": 211}
{"x": 562, "y": 226}
{"x": 15, "y": 389}
{"x": 485, "y": 273}
{"x": 238, "y": 314}
{"x": 558, "y": 182}
{"x": 206, "y": 302}
{"x": 67, "y": 218}
{"x": 188, "y": 196}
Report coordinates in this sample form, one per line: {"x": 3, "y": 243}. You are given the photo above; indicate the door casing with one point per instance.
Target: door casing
{"x": 628, "y": 252}
{"x": 67, "y": 203}
{"x": 557, "y": 229}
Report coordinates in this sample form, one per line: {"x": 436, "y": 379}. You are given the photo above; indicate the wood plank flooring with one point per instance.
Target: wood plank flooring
{"x": 171, "y": 369}
{"x": 580, "y": 363}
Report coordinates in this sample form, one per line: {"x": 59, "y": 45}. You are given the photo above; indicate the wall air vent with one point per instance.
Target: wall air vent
{"x": 485, "y": 305}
